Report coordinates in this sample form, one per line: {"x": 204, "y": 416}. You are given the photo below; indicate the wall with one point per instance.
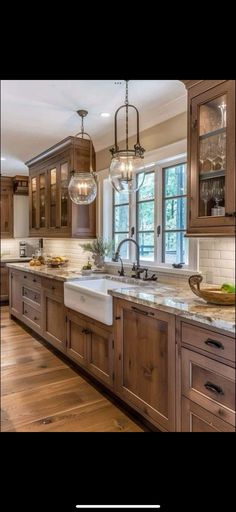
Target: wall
{"x": 10, "y": 246}
{"x": 69, "y": 248}
{"x": 157, "y": 136}
{"x": 217, "y": 260}
{"x": 21, "y": 216}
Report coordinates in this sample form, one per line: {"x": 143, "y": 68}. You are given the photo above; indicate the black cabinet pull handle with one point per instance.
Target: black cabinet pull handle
{"x": 26, "y": 312}
{"x": 34, "y": 280}
{"x": 53, "y": 287}
{"x": 25, "y": 277}
{"x": 214, "y": 388}
{"x": 26, "y": 293}
{"x": 35, "y": 318}
{"x": 137, "y": 310}
{"x": 214, "y": 343}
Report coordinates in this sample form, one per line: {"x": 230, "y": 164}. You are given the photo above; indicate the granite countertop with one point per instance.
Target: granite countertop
{"x": 60, "y": 274}
{"x": 180, "y": 301}
{"x": 172, "y": 298}
{"x": 9, "y": 259}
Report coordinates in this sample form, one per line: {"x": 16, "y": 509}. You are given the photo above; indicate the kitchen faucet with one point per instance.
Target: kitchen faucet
{"x": 138, "y": 270}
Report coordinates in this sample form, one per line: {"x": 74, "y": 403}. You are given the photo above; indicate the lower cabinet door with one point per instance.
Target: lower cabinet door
{"x": 197, "y": 419}
{"x": 76, "y": 338}
{"x": 54, "y": 320}
{"x": 145, "y": 361}
{"x": 15, "y": 288}
{"x": 100, "y": 353}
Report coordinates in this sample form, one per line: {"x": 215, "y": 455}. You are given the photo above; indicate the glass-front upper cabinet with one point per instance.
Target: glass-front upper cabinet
{"x": 212, "y": 159}
{"x": 34, "y": 202}
{"x": 42, "y": 200}
{"x": 63, "y": 194}
{"x": 52, "y": 197}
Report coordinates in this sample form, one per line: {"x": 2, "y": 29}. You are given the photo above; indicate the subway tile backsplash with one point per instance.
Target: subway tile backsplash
{"x": 70, "y": 248}
{"x": 217, "y": 260}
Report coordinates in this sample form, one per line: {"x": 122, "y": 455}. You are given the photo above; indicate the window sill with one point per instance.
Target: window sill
{"x": 161, "y": 269}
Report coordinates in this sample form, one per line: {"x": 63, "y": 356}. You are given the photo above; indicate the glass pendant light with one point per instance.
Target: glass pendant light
{"x": 83, "y": 187}
{"x": 125, "y": 162}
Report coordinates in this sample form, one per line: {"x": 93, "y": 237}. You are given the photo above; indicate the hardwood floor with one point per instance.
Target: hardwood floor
{"x": 41, "y": 393}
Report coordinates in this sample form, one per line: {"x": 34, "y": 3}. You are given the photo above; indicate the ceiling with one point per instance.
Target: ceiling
{"x": 37, "y": 114}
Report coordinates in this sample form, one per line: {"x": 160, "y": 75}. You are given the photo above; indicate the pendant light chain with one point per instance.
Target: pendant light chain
{"x": 82, "y": 126}
{"x": 126, "y": 116}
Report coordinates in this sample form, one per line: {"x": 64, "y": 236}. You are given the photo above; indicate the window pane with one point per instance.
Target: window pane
{"x": 120, "y": 197}
{"x": 175, "y": 213}
{"x": 121, "y": 218}
{"x": 146, "y": 216}
{"x": 175, "y": 180}
{"x": 147, "y": 190}
{"x": 175, "y": 248}
{"x": 124, "y": 252}
{"x": 146, "y": 243}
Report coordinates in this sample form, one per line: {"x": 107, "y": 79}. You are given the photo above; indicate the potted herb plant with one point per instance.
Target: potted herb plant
{"x": 99, "y": 249}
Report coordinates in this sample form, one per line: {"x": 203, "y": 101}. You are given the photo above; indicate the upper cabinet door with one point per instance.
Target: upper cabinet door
{"x": 63, "y": 212}
{"x": 211, "y": 160}
{"x": 52, "y": 189}
{"x": 34, "y": 203}
{"x": 6, "y": 201}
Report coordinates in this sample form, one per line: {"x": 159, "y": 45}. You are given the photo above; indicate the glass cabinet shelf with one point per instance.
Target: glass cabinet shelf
{"x": 212, "y": 133}
{"x": 212, "y": 174}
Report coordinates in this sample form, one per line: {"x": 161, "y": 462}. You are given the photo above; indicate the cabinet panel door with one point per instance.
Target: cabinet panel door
{"x": 15, "y": 284}
{"x": 84, "y": 220}
{"x": 212, "y": 160}
{"x": 197, "y": 419}
{"x": 63, "y": 211}
{"x": 54, "y": 320}
{"x": 100, "y": 353}
{"x": 34, "y": 204}
{"x": 4, "y": 282}
{"x": 6, "y": 206}
{"x": 76, "y": 338}
{"x": 145, "y": 358}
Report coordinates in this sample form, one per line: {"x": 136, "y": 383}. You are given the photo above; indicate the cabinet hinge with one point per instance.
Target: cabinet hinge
{"x": 112, "y": 343}
{"x": 66, "y": 318}
{"x": 113, "y": 376}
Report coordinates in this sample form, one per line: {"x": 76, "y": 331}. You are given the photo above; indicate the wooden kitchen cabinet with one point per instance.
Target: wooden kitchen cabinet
{"x": 90, "y": 344}
{"x": 15, "y": 293}
{"x": 145, "y": 361}
{"x": 197, "y": 419}
{"x": 53, "y": 312}
{"x": 211, "y": 157}
{"x": 52, "y": 213}
{"x": 6, "y": 205}
{"x": 4, "y": 282}
{"x": 205, "y": 396}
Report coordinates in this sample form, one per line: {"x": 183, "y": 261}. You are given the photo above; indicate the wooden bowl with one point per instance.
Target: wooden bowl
{"x": 211, "y": 295}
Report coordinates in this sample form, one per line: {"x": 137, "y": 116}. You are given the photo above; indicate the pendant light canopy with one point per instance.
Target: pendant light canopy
{"x": 125, "y": 162}
{"x": 82, "y": 187}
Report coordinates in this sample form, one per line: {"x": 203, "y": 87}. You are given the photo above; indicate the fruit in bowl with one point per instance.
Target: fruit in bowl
{"x": 228, "y": 288}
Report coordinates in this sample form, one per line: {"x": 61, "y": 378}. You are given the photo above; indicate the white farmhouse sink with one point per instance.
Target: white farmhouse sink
{"x": 91, "y": 297}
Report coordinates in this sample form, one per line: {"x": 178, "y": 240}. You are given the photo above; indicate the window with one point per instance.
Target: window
{"x": 155, "y": 216}
{"x": 174, "y": 244}
{"x": 121, "y": 221}
{"x": 145, "y": 217}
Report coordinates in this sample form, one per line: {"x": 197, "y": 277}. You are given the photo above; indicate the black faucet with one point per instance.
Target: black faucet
{"x": 138, "y": 270}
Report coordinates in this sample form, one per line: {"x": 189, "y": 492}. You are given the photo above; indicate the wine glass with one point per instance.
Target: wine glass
{"x": 205, "y": 195}
{"x": 223, "y": 108}
{"x": 217, "y": 192}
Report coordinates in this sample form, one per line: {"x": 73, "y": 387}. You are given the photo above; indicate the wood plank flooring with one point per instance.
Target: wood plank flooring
{"x": 41, "y": 393}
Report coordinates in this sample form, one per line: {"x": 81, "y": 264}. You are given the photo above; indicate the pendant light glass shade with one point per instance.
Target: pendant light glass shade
{"x": 125, "y": 163}
{"x": 82, "y": 188}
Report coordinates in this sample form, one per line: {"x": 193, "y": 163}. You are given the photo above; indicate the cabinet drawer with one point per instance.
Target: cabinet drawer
{"x": 31, "y": 313}
{"x": 31, "y": 279}
{"x": 209, "y": 383}
{"x": 209, "y": 341}
{"x": 197, "y": 419}
{"x": 33, "y": 295}
{"x": 56, "y": 287}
